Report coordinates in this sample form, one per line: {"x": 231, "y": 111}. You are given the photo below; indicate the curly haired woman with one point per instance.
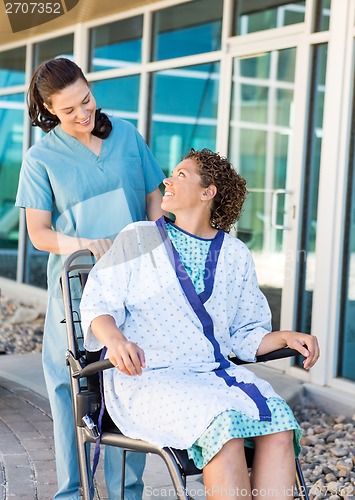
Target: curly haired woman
{"x": 171, "y": 301}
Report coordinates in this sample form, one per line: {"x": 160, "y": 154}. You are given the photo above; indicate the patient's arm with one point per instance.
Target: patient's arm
{"x": 123, "y": 354}
{"x": 305, "y": 344}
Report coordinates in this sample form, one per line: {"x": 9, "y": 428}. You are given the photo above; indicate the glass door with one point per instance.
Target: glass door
{"x": 260, "y": 142}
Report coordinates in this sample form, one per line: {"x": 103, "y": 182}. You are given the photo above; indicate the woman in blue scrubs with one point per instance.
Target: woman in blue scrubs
{"x": 85, "y": 180}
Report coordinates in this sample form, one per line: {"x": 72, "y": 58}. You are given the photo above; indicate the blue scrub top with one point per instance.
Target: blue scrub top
{"x": 89, "y": 196}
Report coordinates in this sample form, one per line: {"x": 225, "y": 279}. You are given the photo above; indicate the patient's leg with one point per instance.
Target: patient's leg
{"x": 273, "y": 473}
{"x": 226, "y": 475}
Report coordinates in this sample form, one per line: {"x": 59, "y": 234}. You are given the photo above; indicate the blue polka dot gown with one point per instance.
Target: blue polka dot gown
{"x": 188, "y": 303}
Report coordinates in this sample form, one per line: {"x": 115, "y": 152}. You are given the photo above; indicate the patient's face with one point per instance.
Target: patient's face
{"x": 183, "y": 189}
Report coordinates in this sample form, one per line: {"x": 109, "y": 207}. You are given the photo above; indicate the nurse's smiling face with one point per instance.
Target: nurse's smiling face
{"x": 75, "y": 107}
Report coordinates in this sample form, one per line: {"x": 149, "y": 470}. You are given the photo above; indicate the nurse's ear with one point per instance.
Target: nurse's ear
{"x": 209, "y": 192}
{"x": 48, "y": 108}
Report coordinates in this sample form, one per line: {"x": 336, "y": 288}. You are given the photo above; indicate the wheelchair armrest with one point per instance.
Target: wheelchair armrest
{"x": 106, "y": 364}
{"x": 93, "y": 368}
{"x": 285, "y": 352}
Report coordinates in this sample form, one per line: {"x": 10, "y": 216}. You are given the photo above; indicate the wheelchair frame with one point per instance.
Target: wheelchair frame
{"x": 87, "y": 403}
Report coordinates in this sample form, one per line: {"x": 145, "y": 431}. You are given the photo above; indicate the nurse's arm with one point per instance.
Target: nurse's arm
{"x": 43, "y": 237}
{"x": 153, "y": 203}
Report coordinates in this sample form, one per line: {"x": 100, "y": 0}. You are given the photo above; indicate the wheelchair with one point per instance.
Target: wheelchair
{"x": 84, "y": 369}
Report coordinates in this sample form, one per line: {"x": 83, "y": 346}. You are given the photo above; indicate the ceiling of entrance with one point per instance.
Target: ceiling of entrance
{"x": 76, "y": 11}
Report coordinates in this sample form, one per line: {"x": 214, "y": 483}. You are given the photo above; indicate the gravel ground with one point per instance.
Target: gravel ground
{"x": 328, "y": 442}
{"x": 21, "y": 327}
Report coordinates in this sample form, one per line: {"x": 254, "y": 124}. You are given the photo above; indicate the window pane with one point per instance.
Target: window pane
{"x": 322, "y": 15}
{"x": 250, "y": 94}
{"x": 118, "y": 96}
{"x": 256, "y": 67}
{"x": 55, "y": 47}
{"x": 116, "y": 45}
{"x": 309, "y": 225}
{"x": 253, "y": 15}
{"x": 284, "y": 99}
{"x": 184, "y": 112}
{"x": 346, "y": 350}
{"x": 11, "y": 140}
{"x": 346, "y": 327}
{"x": 12, "y": 67}
{"x": 190, "y": 28}
{"x": 36, "y": 266}
{"x": 260, "y": 142}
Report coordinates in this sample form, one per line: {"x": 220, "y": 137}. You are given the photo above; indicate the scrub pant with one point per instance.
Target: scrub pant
{"x": 58, "y": 385}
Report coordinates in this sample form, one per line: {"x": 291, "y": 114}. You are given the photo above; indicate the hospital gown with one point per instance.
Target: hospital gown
{"x": 187, "y": 337}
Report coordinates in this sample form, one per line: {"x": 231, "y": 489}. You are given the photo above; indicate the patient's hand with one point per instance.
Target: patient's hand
{"x": 123, "y": 354}
{"x": 126, "y": 356}
{"x": 305, "y": 344}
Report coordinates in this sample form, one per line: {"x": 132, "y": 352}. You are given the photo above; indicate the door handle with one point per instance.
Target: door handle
{"x": 274, "y": 200}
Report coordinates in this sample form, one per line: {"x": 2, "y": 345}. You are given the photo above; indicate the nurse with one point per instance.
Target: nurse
{"x": 169, "y": 336}
{"x": 80, "y": 184}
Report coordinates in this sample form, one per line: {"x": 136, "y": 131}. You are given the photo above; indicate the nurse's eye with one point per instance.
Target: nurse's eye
{"x": 68, "y": 112}
{"x": 87, "y": 100}
{"x": 181, "y": 174}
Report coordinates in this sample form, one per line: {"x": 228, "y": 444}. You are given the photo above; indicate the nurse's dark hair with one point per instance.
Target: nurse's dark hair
{"x": 49, "y": 78}
{"x": 231, "y": 187}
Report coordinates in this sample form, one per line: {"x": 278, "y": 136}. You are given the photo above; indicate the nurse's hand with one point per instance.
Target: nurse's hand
{"x": 99, "y": 247}
{"x": 127, "y": 357}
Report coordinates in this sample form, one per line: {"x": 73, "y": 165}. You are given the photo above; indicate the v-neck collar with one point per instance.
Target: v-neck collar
{"x": 79, "y": 147}
{"x": 181, "y": 273}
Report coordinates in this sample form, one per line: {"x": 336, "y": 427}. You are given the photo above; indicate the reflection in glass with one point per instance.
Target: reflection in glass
{"x": 61, "y": 46}
{"x": 118, "y": 97}
{"x": 253, "y": 15}
{"x": 309, "y": 224}
{"x": 250, "y": 94}
{"x": 184, "y": 112}
{"x": 322, "y": 17}
{"x": 116, "y": 45}
{"x": 12, "y": 67}
{"x": 346, "y": 352}
{"x": 186, "y": 29}
{"x": 11, "y": 139}
{"x": 259, "y": 147}
{"x": 261, "y": 116}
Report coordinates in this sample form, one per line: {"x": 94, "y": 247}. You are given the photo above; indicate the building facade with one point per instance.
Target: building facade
{"x": 270, "y": 84}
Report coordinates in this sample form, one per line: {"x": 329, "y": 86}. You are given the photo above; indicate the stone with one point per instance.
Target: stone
{"x": 339, "y": 452}
{"x": 24, "y": 315}
{"x": 332, "y": 487}
{"x": 330, "y": 477}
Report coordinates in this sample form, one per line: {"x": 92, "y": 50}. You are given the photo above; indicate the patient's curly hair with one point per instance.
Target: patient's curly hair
{"x": 231, "y": 187}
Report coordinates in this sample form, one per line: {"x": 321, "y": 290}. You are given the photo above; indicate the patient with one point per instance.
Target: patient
{"x": 170, "y": 301}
